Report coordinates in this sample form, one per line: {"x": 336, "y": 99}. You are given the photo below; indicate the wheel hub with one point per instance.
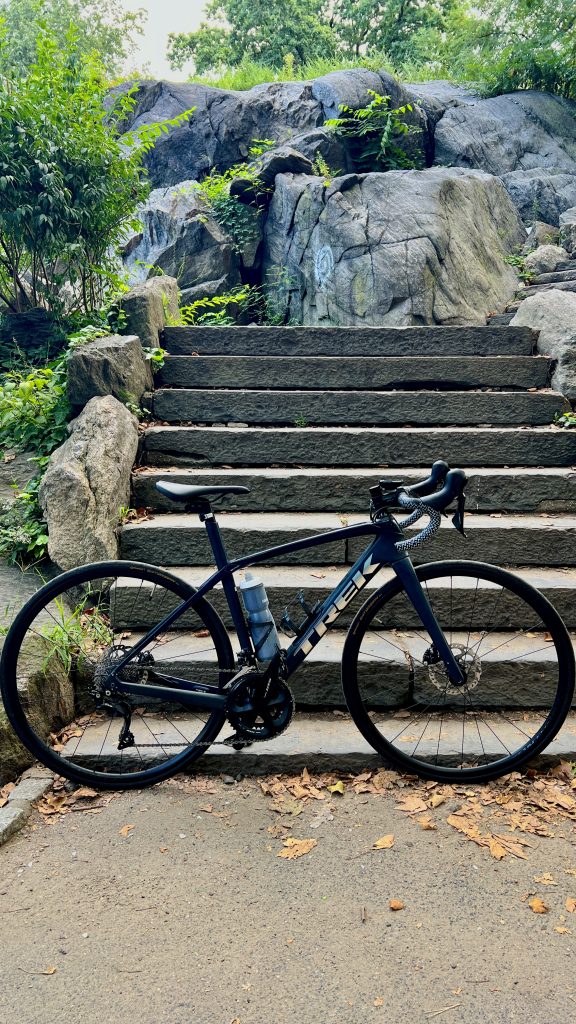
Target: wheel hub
{"x": 470, "y": 664}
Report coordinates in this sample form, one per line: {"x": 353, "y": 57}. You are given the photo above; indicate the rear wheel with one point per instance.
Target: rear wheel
{"x": 517, "y": 658}
{"x": 60, "y": 649}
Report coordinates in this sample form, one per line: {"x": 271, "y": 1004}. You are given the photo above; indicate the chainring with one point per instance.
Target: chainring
{"x": 259, "y": 709}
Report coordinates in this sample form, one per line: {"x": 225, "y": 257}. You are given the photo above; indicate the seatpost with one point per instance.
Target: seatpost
{"x": 215, "y": 537}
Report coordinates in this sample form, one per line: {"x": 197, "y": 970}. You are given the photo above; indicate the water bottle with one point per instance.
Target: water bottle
{"x": 260, "y": 620}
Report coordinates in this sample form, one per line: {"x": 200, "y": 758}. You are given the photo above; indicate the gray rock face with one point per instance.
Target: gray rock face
{"x": 518, "y": 131}
{"x": 182, "y": 238}
{"x": 528, "y": 138}
{"x": 221, "y": 129}
{"x": 541, "y": 193}
{"x": 395, "y": 249}
{"x": 553, "y": 313}
{"x": 147, "y": 307}
{"x": 568, "y": 230}
{"x": 108, "y": 366}
{"x": 545, "y": 259}
{"x": 319, "y": 142}
{"x": 540, "y": 233}
{"x": 282, "y": 160}
{"x": 87, "y": 483}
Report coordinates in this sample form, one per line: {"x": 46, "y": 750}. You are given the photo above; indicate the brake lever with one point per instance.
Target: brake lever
{"x": 458, "y": 517}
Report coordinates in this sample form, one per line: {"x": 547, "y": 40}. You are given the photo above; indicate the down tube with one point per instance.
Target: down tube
{"x": 370, "y": 562}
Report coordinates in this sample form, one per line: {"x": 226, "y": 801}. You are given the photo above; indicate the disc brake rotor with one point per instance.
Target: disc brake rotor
{"x": 471, "y": 666}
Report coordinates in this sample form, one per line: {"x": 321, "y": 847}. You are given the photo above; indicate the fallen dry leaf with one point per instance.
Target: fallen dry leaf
{"x": 496, "y": 849}
{"x": 126, "y": 830}
{"x": 396, "y": 905}
{"x": 570, "y": 905}
{"x": 545, "y": 879}
{"x": 561, "y": 930}
{"x": 385, "y": 843}
{"x": 378, "y": 1002}
{"x": 537, "y": 906}
{"x": 294, "y": 848}
{"x": 338, "y": 787}
{"x": 426, "y": 823}
{"x": 411, "y": 804}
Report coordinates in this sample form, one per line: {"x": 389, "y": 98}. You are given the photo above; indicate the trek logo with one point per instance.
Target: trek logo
{"x": 352, "y": 587}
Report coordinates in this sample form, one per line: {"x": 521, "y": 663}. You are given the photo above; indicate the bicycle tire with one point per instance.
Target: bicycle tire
{"x": 555, "y": 636}
{"x": 41, "y": 605}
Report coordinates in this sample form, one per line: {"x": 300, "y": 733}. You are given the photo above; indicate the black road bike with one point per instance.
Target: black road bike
{"x": 119, "y": 674}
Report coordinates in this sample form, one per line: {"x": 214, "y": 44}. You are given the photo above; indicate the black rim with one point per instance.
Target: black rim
{"x": 62, "y": 644}
{"x": 519, "y": 664}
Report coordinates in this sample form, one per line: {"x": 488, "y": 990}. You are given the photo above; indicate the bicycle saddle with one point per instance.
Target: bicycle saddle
{"x": 188, "y": 492}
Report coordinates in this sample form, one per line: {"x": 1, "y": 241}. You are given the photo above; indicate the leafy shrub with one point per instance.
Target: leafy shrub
{"x": 375, "y": 131}
{"x": 219, "y": 311}
{"x": 234, "y": 217}
{"x": 34, "y": 408}
{"x": 23, "y": 531}
{"x": 69, "y": 182}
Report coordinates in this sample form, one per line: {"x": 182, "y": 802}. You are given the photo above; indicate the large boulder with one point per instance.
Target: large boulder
{"x": 87, "y": 483}
{"x": 115, "y": 365}
{"x": 528, "y": 138}
{"x": 147, "y": 307}
{"x": 545, "y": 259}
{"x": 553, "y": 314}
{"x": 542, "y": 193}
{"x": 517, "y": 131}
{"x": 401, "y": 248}
{"x": 224, "y": 124}
{"x": 181, "y": 237}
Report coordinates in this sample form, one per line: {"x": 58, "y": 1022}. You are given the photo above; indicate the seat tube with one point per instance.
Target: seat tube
{"x": 228, "y": 585}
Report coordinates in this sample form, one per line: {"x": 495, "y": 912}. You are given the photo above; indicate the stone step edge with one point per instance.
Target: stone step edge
{"x": 329, "y": 742}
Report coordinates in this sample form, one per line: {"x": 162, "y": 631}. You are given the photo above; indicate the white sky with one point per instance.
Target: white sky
{"x": 164, "y": 16}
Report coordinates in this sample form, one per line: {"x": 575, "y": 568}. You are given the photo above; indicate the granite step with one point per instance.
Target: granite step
{"x": 329, "y": 741}
{"x": 349, "y": 341}
{"x": 317, "y": 582}
{"x": 516, "y": 669}
{"x": 372, "y": 408}
{"x": 376, "y": 447}
{"x": 555, "y": 277}
{"x": 346, "y": 490}
{"x": 180, "y": 539}
{"x": 450, "y": 373}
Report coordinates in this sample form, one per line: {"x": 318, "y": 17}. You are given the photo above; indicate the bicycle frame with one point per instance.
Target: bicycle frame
{"x": 380, "y": 552}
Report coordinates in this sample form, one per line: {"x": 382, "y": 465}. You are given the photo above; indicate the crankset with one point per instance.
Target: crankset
{"x": 258, "y": 708}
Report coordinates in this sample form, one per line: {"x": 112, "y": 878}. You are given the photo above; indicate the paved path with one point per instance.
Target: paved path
{"x": 192, "y": 916}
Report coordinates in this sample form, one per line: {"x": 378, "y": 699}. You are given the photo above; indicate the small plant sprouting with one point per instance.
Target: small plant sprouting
{"x": 517, "y": 260}
{"x": 376, "y": 131}
{"x": 300, "y": 421}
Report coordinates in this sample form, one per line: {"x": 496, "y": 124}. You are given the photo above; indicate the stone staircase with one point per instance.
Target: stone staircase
{"x": 309, "y": 418}
{"x": 563, "y": 279}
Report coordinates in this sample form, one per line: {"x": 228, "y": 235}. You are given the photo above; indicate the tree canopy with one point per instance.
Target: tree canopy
{"x": 102, "y": 28}
{"x": 499, "y": 44}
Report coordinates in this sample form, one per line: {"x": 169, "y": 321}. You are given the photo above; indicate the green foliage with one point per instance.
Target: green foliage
{"x": 261, "y": 30}
{"x": 321, "y": 168}
{"x": 507, "y": 45}
{"x": 103, "y": 28}
{"x": 250, "y": 72}
{"x": 69, "y": 182}
{"x": 23, "y": 532}
{"x": 386, "y": 26}
{"x": 34, "y": 408}
{"x": 219, "y": 311}
{"x": 234, "y": 217}
{"x": 155, "y": 357}
{"x": 524, "y": 273}
{"x": 375, "y": 131}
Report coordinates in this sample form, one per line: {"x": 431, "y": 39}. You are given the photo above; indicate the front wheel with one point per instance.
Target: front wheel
{"x": 517, "y": 659}
{"x": 61, "y": 649}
